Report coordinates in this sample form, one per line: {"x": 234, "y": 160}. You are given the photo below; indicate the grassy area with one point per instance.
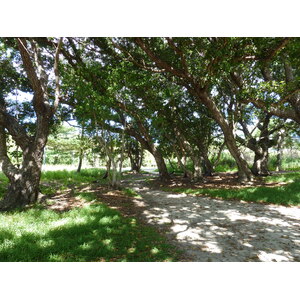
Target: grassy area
{"x": 283, "y": 177}
{"x": 288, "y": 163}
{"x": 3, "y": 184}
{"x": 288, "y": 194}
{"x": 92, "y": 233}
{"x": 131, "y": 193}
{"x": 228, "y": 164}
{"x": 52, "y": 181}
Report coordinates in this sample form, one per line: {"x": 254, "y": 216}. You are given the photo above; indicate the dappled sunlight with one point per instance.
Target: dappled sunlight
{"x": 269, "y": 257}
{"x": 174, "y": 196}
{"x": 139, "y": 203}
{"x": 94, "y": 233}
{"x": 209, "y": 229}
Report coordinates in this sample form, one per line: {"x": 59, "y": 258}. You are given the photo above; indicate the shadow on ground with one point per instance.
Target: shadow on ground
{"x": 93, "y": 233}
{"x": 222, "y": 230}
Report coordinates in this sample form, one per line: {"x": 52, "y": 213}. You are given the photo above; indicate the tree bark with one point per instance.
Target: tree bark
{"x": 161, "y": 165}
{"x": 24, "y": 182}
{"x": 260, "y": 164}
{"x": 23, "y": 189}
{"x": 260, "y": 145}
{"x": 108, "y": 166}
{"x": 244, "y": 172}
{"x": 80, "y": 161}
{"x": 208, "y": 168}
{"x": 149, "y": 145}
{"x": 197, "y": 174}
{"x": 185, "y": 146}
{"x": 279, "y": 152}
{"x": 135, "y": 154}
{"x": 200, "y": 92}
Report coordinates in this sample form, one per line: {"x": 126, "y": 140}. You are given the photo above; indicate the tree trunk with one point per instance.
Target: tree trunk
{"x": 135, "y": 154}
{"x": 187, "y": 173}
{"x": 23, "y": 187}
{"x": 108, "y": 166}
{"x": 197, "y": 170}
{"x": 161, "y": 165}
{"x": 24, "y": 182}
{"x": 114, "y": 176}
{"x": 80, "y": 160}
{"x": 208, "y": 168}
{"x": 260, "y": 164}
{"x": 135, "y": 167}
{"x": 244, "y": 172}
{"x": 279, "y": 152}
{"x": 147, "y": 143}
{"x": 182, "y": 166}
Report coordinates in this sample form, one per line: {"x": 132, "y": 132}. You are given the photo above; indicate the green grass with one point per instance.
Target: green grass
{"x": 93, "y": 233}
{"x": 288, "y": 194}
{"x": 3, "y": 184}
{"x": 85, "y": 176}
{"x": 283, "y": 177}
{"x": 226, "y": 164}
{"x": 288, "y": 163}
{"x": 131, "y": 193}
{"x": 52, "y": 181}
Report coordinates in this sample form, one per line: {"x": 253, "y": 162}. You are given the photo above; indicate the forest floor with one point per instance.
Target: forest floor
{"x": 209, "y": 229}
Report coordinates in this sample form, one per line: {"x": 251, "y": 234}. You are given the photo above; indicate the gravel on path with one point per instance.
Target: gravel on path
{"x": 207, "y": 229}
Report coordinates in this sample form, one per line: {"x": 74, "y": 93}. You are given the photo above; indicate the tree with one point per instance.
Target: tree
{"x": 135, "y": 154}
{"x": 194, "y": 63}
{"x": 24, "y": 181}
{"x": 102, "y": 86}
{"x": 275, "y": 87}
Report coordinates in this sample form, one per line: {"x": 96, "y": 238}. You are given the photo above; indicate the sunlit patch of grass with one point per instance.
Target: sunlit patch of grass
{"x": 92, "y": 233}
{"x": 87, "y": 196}
{"x": 53, "y": 181}
{"x": 283, "y": 177}
{"x": 67, "y": 178}
{"x": 131, "y": 193}
{"x": 287, "y": 194}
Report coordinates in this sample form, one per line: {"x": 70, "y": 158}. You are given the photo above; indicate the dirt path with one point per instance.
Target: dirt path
{"x": 207, "y": 229}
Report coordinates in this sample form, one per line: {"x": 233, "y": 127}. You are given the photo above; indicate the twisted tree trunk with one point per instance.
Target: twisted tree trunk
{"x": 24, "y": 182}
{"x": 260, "y": 164}
{"x": 244, "y": 172}
{"x": 135, "y": 154}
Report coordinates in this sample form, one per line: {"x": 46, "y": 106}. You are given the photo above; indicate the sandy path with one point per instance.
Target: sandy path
{"x": 207, "y": 229}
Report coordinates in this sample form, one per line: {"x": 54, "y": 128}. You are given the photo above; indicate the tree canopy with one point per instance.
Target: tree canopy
{"x": 175, "y": 97}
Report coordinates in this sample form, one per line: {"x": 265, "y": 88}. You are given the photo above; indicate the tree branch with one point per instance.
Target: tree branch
{"x": 160, "y": 63}
{"x": 8, "y": 168}
{"x": 57, "y": 78}
{"x": 16, "y": 131}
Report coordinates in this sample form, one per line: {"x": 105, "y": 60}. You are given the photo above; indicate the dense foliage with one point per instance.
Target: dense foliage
{"x": 185, "y": 100}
